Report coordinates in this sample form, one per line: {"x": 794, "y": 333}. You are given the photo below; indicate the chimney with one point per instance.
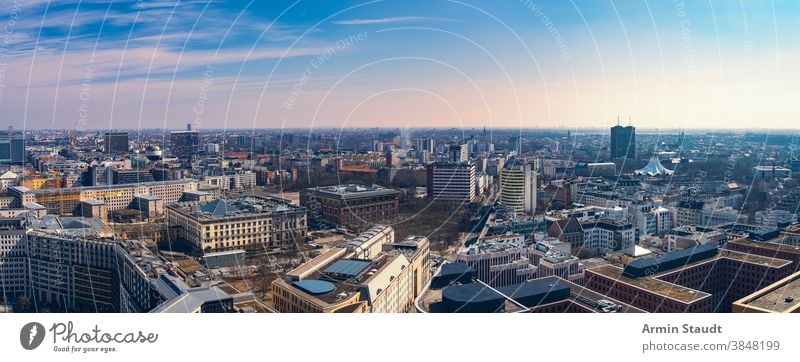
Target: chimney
{"x": 188, "y": 126}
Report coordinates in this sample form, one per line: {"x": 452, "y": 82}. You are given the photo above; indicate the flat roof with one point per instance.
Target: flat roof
{"x": 348, "y": 191}
{"x": 769, "y": 244}
{"x": 347, "y": 268}
{"x": 653, "y": 285}
{"x": 781, "y": 296}
{"x": 104, "y": 187}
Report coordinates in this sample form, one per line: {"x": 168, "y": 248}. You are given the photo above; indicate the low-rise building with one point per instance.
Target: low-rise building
{"x": 248, "y": 222}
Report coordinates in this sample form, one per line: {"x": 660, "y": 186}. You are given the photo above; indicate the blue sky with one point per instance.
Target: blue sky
{"x": 243, "y": 64}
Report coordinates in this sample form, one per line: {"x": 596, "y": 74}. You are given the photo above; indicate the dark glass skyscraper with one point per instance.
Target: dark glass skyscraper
{"x": 116, "y": 142}
{"x": 623, "y": 142}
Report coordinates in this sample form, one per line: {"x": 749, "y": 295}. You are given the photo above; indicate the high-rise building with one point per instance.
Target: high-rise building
{"x": 426, "y": 144}
{"x": 459, "y": 153}
{"x": 116, "y": 142}
{"x": 12, "y": 148}
{"x": 185, "y": 144}
{"x": 518, "y": 187}
{"x": 623, "y": 142}
{"x": 452, "y": 182}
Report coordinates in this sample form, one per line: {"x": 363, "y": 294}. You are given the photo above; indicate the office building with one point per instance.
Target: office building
{"x": 689, "y": 212}
{"x": 455, "y": 290}
{"x": 452, "y": 182}
{"x": 13, "y": 258}
{"x": 75, "y": 264}
{"x": 337, "y": 281}
{"x": 500, "y": 260}
{"x": 185, "y": 144}
{"x": 116, "y": 142}
{"x": 623, "y": 142}
{"x": 459, "y": 153}
{"x": 66, "y": 201}
{"x": 518, "y": 187}
{"x": 775, "y": 218}
{"x": 354, "y": 207}
{"x": 697, "y": 279}
{"x": 249, "y": 223}
{"x": 771, "y": 172}
{"x": 12, "y": 148}
{"x": 782, "y": 296}
{"x": 119, "y": 177}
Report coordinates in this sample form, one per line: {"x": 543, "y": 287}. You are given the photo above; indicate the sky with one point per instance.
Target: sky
{"x": 399, "y": 63}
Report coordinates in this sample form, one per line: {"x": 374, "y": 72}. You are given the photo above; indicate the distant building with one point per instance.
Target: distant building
{"x": 771, "y": 172}
{"x": 185, "y": 144}
{"x": 623, "y": 142}
{"x": 119, "y": 177}
{"x": 350, "y": 206}
{"x": 116, "y": 142}
{"x": 775, "y": 218}
{"x": 12, "y": 148}
{"x": 67, "y": 200}
{"x": 689, "y": 212}
{"x": 518, "y": 187}
{"x": 459, "y": 153}
{"x": 452, "y": 182}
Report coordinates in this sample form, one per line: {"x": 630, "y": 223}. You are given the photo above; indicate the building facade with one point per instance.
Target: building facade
{"x": 249, "y": 223}
{"x": 354, "y": 207}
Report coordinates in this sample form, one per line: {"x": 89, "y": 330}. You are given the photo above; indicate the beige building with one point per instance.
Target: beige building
{"x": 338, "y": 281}
{"x": 66, "y": 201}
{"x": 248, "y": 222}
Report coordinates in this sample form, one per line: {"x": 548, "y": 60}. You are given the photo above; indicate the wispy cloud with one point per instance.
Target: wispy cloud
{"x": 390, "y": 20}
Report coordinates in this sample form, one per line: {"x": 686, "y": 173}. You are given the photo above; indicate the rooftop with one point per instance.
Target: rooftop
{"x": 351, "y": 190}
{"x": 782, "y": 296}
{"x": 657, "y": 286}
{"x": 245, "y": 206}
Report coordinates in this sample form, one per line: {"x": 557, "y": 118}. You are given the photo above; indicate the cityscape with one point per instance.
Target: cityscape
{"x": 402, "y": 157}
{"x": 384, "y": 220}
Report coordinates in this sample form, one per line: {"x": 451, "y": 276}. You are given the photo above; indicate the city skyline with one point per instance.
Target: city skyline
{"x": 129, "y": 65}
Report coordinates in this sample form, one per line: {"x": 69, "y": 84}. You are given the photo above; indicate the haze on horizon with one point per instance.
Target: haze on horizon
{"x": 465, "y": 64}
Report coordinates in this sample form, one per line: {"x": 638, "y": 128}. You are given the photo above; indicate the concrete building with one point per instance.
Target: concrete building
{"x": 623, "y": 142}
{"x": 66, "y": 201}
{"x": 119, "y": 177}
{"x": 232, "y": 180}
{"x": 771, "y": 172}
{"x": 698, "y": 279}
{"x": 452, "y": 182}
{"x": 500, "y": 260}
{"x": 518, "y": 187}
{"x": 116, "y": 142}
{"x": 775, "y": 218}
{"x": 354, "y": 207}
{"x": 8, "y": 179}
{"x": 782, "y": 296}
{"x": 336, "y": 281}
{"x": 13, "y": 259}
{"x": 185, "y": 144}
{"x": 249, "y": 222}
{"x": 689, "y": 212}
{"x": 459, "y": 153}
